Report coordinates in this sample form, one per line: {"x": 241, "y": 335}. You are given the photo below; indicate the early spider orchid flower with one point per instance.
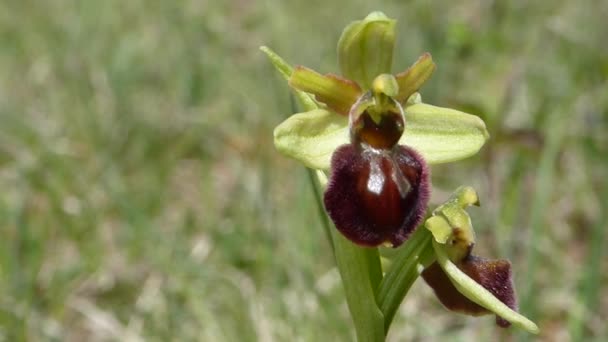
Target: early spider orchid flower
{"x": 462, "y": 281}
{"x": 370, "y": 131}
{"x": 379, "y": 184}
{"x": 378, "y": 190}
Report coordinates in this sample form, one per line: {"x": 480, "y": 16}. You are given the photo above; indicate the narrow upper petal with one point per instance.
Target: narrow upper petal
{"x": 337, "y": 93}
{"x": 414, "y": 77}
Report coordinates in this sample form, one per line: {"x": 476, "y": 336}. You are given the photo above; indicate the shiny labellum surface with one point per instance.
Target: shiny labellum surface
{"x": 377, "y": 196}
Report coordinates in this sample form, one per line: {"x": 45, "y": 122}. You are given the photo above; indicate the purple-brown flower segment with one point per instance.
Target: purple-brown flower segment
{"x": 494, "y": 275}
{"x": 378, "y": 190}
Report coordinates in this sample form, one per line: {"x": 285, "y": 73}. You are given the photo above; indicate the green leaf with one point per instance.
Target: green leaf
{"x": 402, "y": 274}
{"x": 365, "y": 49}
{"x": 440, "y": 135}
{"x": 478, "y": 294}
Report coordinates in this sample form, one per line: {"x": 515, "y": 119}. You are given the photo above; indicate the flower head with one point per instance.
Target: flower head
{"x": 378, "y": 190}
{"x": 374, "y": 135}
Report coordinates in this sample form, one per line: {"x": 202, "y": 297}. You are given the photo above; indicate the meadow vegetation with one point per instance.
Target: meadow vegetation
{"x": 141, "y": 197}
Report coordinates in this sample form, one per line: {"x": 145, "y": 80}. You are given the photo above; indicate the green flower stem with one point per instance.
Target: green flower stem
{"x": 376, "y": 267}
{"x": 478, "y": 294}
{"x": 402, "y": 274}
{"x": 359, "y": 268}
{"x": 361, "y": 274}
{"x": 314, "y": 183}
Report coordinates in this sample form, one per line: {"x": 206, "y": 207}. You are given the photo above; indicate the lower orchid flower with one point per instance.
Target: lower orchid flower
{"x": 462, "y": 281}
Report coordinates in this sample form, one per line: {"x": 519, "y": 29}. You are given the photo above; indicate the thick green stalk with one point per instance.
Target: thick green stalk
{"x": 354, "y": 264}
{"x": 361, "y": 275}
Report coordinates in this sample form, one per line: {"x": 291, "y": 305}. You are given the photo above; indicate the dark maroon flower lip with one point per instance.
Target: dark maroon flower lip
{"x": 375, "y": 196}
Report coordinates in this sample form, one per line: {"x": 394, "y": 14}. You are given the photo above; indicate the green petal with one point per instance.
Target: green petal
{"x": 443, "y": 135}
{"x": 414, "y": 77}
{"x": 478, "y": 294}
{"x": 440, "y": 134}
{"x": 337, "y": 93}
{"x": 365, "y": 49}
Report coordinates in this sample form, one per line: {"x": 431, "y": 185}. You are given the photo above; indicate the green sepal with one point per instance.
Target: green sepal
{"x": 337, "y": 93}
{"x": 414, "y": 77}
{"x": 439, "y": 134}
{"x": 443, "y": 135}
{"x": 312, "y": 137}
{"x": 365, "y": 49}
{"x": 462, "y": 197}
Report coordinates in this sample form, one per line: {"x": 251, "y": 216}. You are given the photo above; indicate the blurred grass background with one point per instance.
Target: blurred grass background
{"x": 141, "y": 197}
